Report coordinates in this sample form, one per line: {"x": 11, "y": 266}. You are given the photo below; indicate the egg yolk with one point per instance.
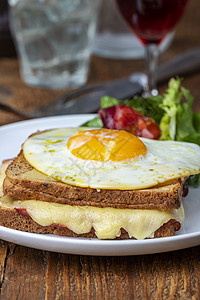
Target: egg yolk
{"x": 105, "y": 145}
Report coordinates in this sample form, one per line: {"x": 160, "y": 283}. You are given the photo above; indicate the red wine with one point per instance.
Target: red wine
{"x": 151, "y": 20}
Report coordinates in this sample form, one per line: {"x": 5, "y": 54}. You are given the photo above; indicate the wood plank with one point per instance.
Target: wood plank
{"x": 173, "y": 275}
{"x": 56, "y": 278}
{"x": 44, "y": 275}
{"x": 3, "y": 259}
{"x": 24, "y": 273}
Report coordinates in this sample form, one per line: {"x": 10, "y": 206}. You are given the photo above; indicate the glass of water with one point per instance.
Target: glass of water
{"x": 54, "y": 40}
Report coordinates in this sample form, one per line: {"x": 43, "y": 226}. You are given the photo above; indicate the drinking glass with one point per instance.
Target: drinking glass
{"x": 54, "y": 40}
{"x": 151, "y": 21}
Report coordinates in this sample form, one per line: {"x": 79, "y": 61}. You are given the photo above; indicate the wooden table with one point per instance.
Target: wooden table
{"x": 33, "y": 274}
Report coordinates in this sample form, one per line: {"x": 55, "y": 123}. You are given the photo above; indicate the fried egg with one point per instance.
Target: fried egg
{"x": 109, "y": 159}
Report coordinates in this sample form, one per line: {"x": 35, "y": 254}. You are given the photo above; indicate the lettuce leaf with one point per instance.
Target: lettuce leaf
{"x": 179, "y": 122}
{"x": 96, "y": 123}
{"x": 188, "y": 122}
{"x": 193, "y": 180}
{"x": 171, "y": 105}
{"x": 107, "y": 101}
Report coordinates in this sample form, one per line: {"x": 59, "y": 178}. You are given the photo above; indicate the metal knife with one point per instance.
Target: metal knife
{"x": 87, "y": 99}
{"x": 182, "y": 65}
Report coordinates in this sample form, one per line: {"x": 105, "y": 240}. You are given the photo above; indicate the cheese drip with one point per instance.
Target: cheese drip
{"x": 107, "y": 222}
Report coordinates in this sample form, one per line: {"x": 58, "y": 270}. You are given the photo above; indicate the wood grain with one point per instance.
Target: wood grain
{"x": 46, "y": 275}
{"x": 33, "y": 274}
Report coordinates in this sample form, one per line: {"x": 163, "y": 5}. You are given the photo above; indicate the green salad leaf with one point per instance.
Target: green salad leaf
{"x": 107, "y": 101}
{"x": 96, "y": 123}
{"x": 193, "y": 180}
{"x": 188, "y": 122}
{"x": 170, "y": 104}
{"x": 179, "y": 122}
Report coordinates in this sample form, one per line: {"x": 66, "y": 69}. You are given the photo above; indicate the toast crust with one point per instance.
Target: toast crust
{"x": 20, "y": 186}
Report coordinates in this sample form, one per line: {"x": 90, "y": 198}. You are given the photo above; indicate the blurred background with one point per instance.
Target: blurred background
{"x": 105, "y": 63}
{"x": 7, "y": 48}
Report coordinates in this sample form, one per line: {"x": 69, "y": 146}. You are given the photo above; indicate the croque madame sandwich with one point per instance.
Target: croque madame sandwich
{"x": 97, "y": 183}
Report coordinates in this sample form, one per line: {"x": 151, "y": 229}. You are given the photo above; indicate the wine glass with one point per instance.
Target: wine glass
{"x": 151, "y": 21}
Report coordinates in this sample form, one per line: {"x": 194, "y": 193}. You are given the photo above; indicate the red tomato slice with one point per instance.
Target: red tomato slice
{"x": 125, "y": 117}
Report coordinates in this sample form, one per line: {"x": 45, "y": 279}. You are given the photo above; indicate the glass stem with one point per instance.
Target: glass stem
{"x": 151, "y": 54}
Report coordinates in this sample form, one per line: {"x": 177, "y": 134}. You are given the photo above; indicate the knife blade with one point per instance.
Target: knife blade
{"x": 86, "y": 99}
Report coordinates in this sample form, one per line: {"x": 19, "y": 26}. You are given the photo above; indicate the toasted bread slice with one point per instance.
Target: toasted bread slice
{"x": 24, "y": 182}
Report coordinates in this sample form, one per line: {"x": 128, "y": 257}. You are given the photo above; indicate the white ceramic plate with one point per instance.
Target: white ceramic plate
{"x": 11, "y": 138}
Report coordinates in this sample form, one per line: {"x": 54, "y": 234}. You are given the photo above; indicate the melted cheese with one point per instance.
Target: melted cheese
{"x": 34, "y": 175}
{"x": 107, "y": 222}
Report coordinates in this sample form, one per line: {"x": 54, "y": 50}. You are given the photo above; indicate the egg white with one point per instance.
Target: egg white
{"x": 165, "y": 160}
